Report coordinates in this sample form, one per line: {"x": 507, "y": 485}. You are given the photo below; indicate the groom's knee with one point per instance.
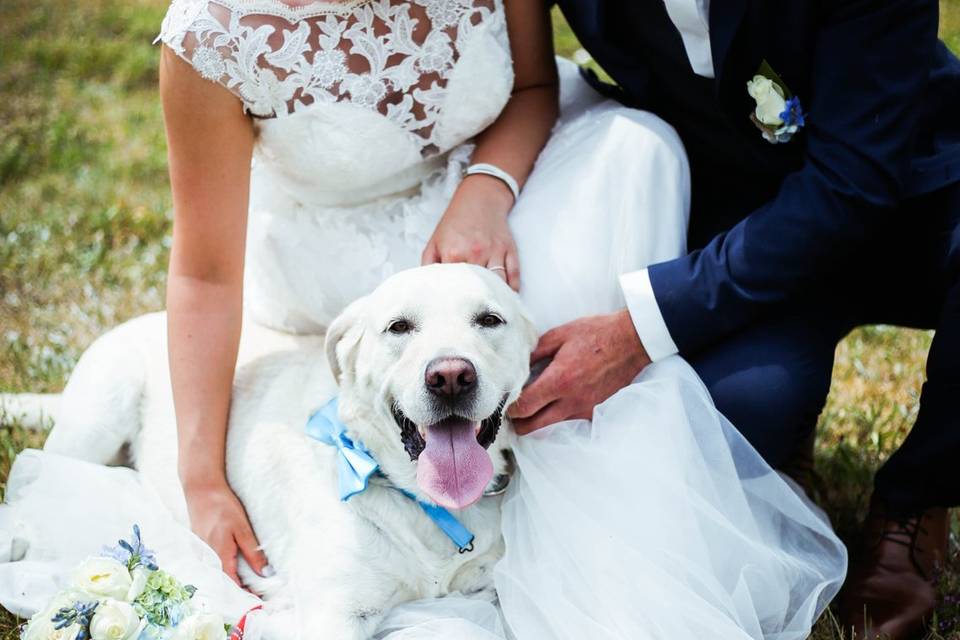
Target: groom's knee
{"x": 771, "y": 390}
{"x": 773, "y": 407}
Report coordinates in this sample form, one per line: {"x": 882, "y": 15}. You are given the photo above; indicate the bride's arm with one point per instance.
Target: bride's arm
{"x": 474, "y": 227}
{"x": 210, "y": 142}
{"x": 515, "y": 140}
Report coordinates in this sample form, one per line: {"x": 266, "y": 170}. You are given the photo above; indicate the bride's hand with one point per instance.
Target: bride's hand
{"x": 474, "y": 229}
{"x": 219, "y": 519}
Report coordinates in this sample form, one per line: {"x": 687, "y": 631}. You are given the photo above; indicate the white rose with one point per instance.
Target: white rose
{"x": 114, "y": 620}
{"x": 139, "y": 582}
{"x": 40, "y": 626}
{"x": 200, "y": 626}
{"x": 770, "y": 100}
{"x": 43, "y": 630}
{"x": 103, "y": 577}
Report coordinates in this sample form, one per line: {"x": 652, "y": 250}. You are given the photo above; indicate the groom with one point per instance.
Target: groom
{"x": 841, "y": 209}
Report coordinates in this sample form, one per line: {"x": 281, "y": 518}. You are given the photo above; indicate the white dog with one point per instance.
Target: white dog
{"x": 426, "y": 365}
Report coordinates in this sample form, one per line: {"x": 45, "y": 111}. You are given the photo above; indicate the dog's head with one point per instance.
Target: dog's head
{"x": 427, "y": 364}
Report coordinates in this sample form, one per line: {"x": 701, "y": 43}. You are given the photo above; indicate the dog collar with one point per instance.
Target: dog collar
{"x": 355, "y": 467}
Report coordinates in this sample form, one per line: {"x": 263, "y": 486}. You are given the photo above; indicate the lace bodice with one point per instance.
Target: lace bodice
{"x": 437, "y": 70}
{"x": 363, "y": 111}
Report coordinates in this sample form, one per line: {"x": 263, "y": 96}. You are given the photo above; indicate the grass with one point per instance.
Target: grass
{"x": 85, "y": 221}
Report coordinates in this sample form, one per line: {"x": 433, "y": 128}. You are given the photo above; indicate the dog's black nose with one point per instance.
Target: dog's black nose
{"x": 450, "y": 377}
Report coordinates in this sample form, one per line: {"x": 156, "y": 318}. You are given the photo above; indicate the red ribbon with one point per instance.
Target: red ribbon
{"x": 237, "y": 632}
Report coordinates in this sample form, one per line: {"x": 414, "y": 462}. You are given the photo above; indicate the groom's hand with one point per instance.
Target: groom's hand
{"x": 593, "y": 358}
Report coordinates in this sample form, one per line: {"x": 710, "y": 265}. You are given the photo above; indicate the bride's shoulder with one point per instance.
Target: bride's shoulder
{"x": 188, "y": 23}
{"x": 257, "y": 48}
{"x": 180, "y": 19}
{"x": 227, "y": 41}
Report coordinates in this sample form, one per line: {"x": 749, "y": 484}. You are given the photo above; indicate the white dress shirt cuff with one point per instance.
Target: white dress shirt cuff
{"x": 646, "y": 316}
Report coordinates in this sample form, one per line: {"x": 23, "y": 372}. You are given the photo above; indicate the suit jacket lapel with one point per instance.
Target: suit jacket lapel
{"x": 725, "y": 19}
{"x": 736, "y": 39}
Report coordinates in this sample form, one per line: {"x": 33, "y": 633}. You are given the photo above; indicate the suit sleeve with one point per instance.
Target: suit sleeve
{"x": 870, "y": 69}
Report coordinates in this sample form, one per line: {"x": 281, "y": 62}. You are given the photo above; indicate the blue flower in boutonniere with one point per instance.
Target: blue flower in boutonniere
{"x": 778, "y": 115}
{"x": 793, "y": 115}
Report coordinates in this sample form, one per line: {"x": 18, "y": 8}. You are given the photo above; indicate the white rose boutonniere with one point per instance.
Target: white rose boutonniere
{"x": 103, "y": 577}
{"x": 778, "y": 115}
{"x": 770, "y": 100}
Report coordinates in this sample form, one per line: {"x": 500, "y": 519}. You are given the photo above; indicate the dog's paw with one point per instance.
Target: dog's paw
{"x": 271, "y": 623}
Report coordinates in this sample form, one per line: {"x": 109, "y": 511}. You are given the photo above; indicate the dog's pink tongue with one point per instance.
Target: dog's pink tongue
{"x": 454, "y": 469}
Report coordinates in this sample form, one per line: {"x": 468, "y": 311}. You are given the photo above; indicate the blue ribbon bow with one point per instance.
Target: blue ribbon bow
{"x": 355, "y": 466}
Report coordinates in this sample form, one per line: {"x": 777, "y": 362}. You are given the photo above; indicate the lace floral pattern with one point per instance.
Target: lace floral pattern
{"x": 391, "y": 56}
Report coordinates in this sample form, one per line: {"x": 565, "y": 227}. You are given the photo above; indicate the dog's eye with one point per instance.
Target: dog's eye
{"x": 399, "y": 327}
{"x": 490, "y": 320}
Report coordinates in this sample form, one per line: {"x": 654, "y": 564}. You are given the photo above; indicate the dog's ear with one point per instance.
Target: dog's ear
{"x": 343, "y": 338}
{"x": 530, "y": 332}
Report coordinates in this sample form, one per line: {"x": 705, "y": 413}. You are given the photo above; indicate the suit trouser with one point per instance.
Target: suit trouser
{"x": 771, "y": 379}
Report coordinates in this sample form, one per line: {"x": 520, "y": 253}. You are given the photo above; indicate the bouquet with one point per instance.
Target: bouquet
{"x": 123, "y": 595}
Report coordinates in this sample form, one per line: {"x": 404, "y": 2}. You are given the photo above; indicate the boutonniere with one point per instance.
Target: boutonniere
{"x": 778, "y": 114}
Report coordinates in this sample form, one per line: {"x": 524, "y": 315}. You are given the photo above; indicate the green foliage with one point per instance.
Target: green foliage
{"x": 85, "y": 218}
{"x": 163, "y": 599}
{"x": 950, "y": 23}
{"x": 84, "y": 201}
{"x": 564, "y": 42}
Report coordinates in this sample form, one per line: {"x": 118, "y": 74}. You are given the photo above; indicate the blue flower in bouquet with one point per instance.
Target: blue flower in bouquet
{"x": 133, "y": 552}
{"x": 123, "y": 594}
{"x": 80, "y": 614}
{"x": 153, "y": 632}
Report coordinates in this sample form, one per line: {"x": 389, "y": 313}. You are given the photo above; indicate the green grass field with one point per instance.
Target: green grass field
{"x": 85, "y": 221}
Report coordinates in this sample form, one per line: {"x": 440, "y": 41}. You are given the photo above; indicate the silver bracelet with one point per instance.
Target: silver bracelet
{"x": 496, "y": 172}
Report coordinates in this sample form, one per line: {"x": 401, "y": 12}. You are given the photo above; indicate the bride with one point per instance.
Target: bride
{"x": 318, "y": 147}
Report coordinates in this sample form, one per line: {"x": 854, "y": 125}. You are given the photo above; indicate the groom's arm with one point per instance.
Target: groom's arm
{"x": 872, "y": 60}
{"x": 871, "y": 64}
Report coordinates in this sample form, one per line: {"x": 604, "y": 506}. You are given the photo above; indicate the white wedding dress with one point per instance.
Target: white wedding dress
{"x": 656, "y": 520}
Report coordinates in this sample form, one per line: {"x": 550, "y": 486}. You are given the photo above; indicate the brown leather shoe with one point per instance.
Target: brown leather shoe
{"x": 890, "y": 591}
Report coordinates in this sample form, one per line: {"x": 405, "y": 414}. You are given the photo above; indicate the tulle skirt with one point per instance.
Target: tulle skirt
{"x": 655, "y": 520}
{"x": 659, "y": 520}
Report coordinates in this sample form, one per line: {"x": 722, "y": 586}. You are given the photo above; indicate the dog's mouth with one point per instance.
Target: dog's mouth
{"x": 413, "y": 437}
{"x": 453, "y": 466}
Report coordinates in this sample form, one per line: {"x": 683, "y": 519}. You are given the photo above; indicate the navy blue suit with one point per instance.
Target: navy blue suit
{"x": 857, "y": 220}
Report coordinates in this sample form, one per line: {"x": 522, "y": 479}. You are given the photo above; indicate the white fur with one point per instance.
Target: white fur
{"x": 340, "y": 565}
